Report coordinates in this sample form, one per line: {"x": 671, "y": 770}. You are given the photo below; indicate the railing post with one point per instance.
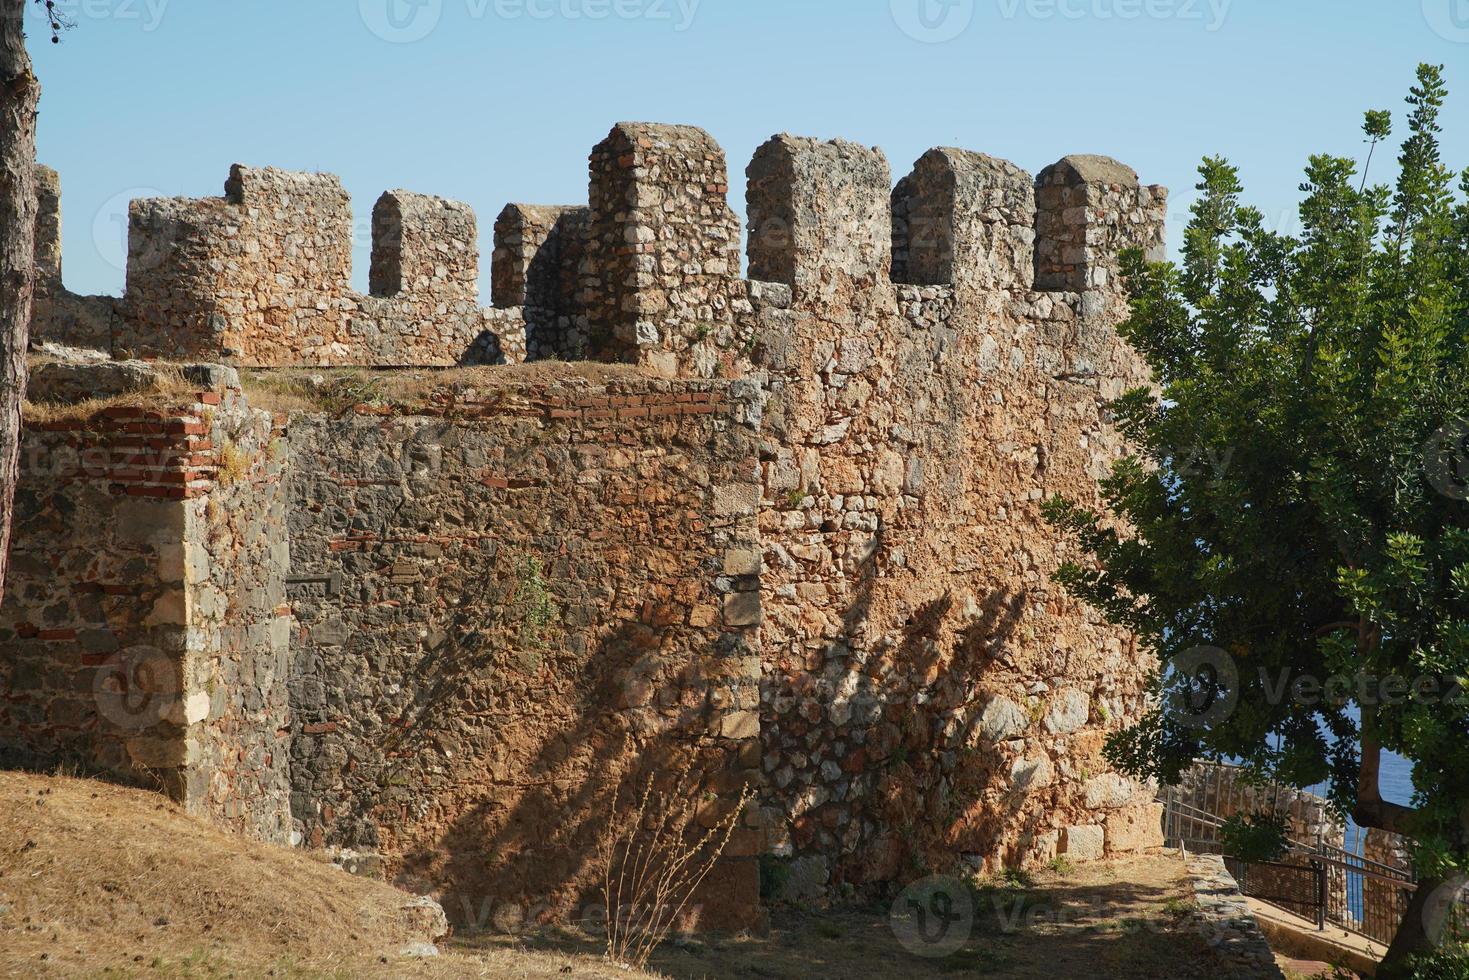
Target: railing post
{"x": 1320, "y": 868}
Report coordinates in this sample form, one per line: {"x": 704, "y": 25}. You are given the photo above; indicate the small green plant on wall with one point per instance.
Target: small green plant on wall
{"x": 533, "y": 609}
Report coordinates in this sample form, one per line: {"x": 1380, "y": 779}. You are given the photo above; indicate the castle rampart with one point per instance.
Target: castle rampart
{"x": 145, "y": 632}
{"x": 790, "y": 535}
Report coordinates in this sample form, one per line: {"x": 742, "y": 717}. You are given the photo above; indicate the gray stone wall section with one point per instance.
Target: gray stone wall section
{"x": 96, "y": 584}
{"x": 175, "y": 299}
{"x": 537, "y": 265}
{"x": 143, "y": 631}
{"x": 425, "y": 247}
{"x": 964, "y": 217}
{"x": 819, "y": 208}
{"x": 928, "y": 697}
{"x": 48, "y": 228}
{"x": 59, "y": 316}
{"x": 661, "y": 285}
{"x": 1089, "y": 210}
{"x": 260, "y": 277}
{"x": 238, "y": 660}
{"x": 1223, "y": 916}
{"x": 507, "y": 609}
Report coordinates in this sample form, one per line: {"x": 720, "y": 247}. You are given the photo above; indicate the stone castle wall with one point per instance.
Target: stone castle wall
{"x": 796, "y": 539}
{"x": 144, "y": 625}
{"x": 928, "y": 692}
{"x": 261, "y": 276}
{"x": 436, "y": 716}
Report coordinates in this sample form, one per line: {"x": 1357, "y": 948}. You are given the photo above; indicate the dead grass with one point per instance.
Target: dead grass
{"x": 95, "y": 878}
{"x": 234, "y": 465}
{"x": 339, "y": 390}
{"x": 168, "y": 389}
{"x": 1122, "y": 920}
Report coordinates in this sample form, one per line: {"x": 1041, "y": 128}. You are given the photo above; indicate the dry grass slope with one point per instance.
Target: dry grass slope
{"x": 97, "y": 879}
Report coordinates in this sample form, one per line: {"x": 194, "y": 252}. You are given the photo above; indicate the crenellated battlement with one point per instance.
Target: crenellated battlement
{"x": 647, "y": 272}
{"x": 793, "y": 534}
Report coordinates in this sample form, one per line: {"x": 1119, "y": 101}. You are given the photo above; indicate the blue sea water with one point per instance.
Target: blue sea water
{"x": 1397, "y": 779}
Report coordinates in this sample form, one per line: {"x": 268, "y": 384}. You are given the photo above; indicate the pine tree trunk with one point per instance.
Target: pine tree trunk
{"x": 19, "y": 94}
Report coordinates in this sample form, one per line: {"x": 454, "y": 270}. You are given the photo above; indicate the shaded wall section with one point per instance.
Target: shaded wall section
{"x": 526, "y": 594}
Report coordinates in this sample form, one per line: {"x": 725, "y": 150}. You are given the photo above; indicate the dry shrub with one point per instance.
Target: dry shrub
{"x": 655, "y": 857}
{"x": 234, "y": 464}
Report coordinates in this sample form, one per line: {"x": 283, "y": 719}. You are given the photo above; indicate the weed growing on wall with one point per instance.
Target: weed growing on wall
{"x": 534, "y": 609}
{"x": 234, "y": 465}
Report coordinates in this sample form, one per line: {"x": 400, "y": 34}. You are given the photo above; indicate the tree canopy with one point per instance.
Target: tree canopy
{"x": 1291, "y": 535}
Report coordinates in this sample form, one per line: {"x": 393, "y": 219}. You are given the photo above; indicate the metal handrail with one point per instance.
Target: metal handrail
{"x": 1321, "y": 850}
{"x": 1340, "y": 874}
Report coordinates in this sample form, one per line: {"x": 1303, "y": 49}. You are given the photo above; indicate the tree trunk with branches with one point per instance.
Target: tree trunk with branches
{"x": 19, "y": 94}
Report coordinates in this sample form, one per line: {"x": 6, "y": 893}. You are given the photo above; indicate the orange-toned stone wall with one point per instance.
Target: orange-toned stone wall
{"x": 438, "y": 719}
{"x": 800, "y": 537}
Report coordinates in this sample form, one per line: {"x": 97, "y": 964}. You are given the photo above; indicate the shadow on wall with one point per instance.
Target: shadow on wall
{"x": 543, "y": 606}
{"x": 912, "y": 790}
{"x": 528, "y": 849}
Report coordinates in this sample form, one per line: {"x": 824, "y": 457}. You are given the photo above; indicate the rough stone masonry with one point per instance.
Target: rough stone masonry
{"x": 786, "y": 535}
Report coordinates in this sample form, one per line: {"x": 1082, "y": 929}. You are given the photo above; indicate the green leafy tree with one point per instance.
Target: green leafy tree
{"x": 1291, "y": 534}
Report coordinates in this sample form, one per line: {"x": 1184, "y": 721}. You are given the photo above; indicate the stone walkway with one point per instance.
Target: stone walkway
{"x": 1228, "y": 921}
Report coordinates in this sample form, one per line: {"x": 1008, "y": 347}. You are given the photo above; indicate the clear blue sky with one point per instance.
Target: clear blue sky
{"x": 501, "y": 100}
